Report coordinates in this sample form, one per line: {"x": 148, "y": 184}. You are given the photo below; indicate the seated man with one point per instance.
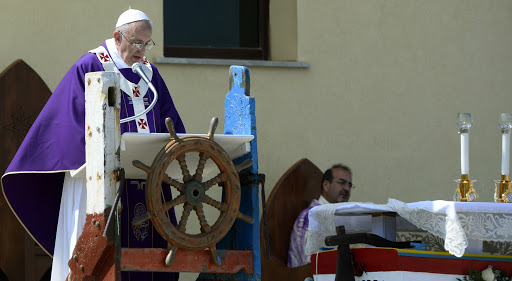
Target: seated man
{"x": 336, "y": 186}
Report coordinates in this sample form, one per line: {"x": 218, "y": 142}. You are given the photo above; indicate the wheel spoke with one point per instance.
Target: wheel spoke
{"x": 142, "y": 166}
{"x": 205, "y": 227}
{"x": 172, "y": 182}
{"x": 182, "y": 226}
{"x": 215, "y": 180}
{"x": 203, "y": 156}
{"x": 215, "y": 257}
{"x": 184, "y": 168}
{"x": 170, "y": 127}
{"x": 245, "y": 218}
{"x": 173, "y": 203}
{"x": 214, "y": 203}
{"x": 138, "y": 220}
{"x": 213, "y": 126}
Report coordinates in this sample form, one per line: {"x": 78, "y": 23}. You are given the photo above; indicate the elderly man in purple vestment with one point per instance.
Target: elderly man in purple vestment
{"x": 336, "y": 186}
{"x": 38, "y": 185}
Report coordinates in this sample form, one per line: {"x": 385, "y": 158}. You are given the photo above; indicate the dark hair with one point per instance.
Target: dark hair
{"x": 328, "y": 174}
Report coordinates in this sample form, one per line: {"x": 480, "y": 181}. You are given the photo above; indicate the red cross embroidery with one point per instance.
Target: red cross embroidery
{"x": 142, "y": 123}
{"x": 104, "y": 57}
{"x": 136, "y": 91}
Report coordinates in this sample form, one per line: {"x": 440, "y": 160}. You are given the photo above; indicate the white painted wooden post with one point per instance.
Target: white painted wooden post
{"x": 102, "y": 138}
{"x": 95, "y": 256}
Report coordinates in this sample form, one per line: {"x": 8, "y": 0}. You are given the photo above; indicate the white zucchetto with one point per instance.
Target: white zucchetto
{"x": 131, "y": 15}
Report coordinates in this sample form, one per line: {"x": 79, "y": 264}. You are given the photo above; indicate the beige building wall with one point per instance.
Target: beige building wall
{"x": 386, "y": 82}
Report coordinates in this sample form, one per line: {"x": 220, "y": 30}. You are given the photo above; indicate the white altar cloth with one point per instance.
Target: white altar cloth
{"x": 456, "y": 222}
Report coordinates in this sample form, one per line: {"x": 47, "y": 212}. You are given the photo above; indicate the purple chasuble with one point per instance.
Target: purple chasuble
{"x": 55, "y": 143}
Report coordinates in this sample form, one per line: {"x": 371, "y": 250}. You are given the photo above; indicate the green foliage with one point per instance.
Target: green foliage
{"x": 475, "y": 275}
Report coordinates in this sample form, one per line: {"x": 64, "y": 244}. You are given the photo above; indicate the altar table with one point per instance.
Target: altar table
{"x": 462, "y": 225}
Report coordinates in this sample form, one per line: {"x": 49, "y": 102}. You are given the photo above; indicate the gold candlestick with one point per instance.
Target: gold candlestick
{"x": 503, "y": 190}
{"x": 465, "y": 191}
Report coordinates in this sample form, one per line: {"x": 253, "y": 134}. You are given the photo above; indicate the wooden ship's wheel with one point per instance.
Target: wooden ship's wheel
{"x": 192, "y": 192}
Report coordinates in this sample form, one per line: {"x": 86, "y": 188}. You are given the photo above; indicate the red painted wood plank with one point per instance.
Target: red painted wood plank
{"x": 373, "y": 259}
{"x": 385, "y": 259}
{"x": 186, "y": 261}
{"x": 94, "y": 256}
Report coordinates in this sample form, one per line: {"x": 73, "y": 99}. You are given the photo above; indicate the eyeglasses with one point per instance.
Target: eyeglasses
{"x": 140, "y": 46}
{"x": 344, "y": 182}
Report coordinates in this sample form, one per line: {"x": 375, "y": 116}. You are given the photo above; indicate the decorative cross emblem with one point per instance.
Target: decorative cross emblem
{"x": 136, "y": 92}
{"x": 146, "y": 62}
{"x": 140, "y": 185}
{"x": 142, "y": 123}
{"x": 104, "y": 57}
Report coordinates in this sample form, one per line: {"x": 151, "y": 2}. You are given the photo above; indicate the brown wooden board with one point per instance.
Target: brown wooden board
{"x": 152, "y": 259}
{"x": 294, "y": 191}
{"x": 23, "y": 94}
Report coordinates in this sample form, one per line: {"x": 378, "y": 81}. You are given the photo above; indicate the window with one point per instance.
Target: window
{"x": 222, "y": 29}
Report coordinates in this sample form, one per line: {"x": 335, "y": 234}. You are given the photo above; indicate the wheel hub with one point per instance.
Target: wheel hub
{"x": 194, "y": 192}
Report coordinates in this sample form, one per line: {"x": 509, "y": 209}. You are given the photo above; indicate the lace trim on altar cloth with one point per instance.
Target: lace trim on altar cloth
{"x": 321, "y": 225}
{"x": 444, "y": 225}
{"x": 455, "y": 227}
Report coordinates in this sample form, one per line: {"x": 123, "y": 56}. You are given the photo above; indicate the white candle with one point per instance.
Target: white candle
{"x": 464, "y": 153}
{"x": 505, "y": 153}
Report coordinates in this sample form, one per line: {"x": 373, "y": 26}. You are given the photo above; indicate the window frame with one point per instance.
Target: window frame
{"x": 259, "y": 53}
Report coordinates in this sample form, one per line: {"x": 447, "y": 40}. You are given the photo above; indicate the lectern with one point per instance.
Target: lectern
{"x": 225, "y": 248}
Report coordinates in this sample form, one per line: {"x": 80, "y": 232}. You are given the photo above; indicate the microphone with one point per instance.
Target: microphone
{"x": 137, "y": 68}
